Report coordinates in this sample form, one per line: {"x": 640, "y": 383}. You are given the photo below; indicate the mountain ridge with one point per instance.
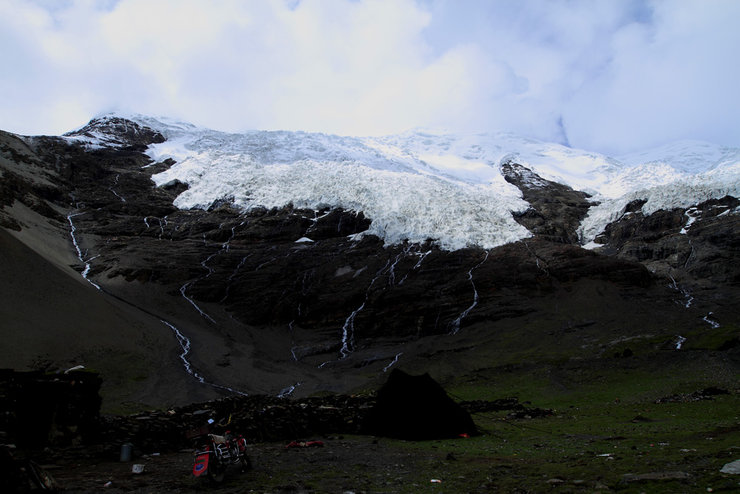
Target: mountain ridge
{"x": 311, "y": 299}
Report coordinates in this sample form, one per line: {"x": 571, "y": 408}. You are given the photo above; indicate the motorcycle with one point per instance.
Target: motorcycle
{"x": 214, "y": 453}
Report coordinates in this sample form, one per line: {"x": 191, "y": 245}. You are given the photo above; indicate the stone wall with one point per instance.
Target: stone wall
{"x": 39, "y": 409}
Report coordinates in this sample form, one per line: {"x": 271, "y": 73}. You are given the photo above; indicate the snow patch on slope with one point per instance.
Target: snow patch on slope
{"x": 674, "y": 180}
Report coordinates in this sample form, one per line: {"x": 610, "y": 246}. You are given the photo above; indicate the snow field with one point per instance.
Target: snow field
{"x": 427, "y": 185}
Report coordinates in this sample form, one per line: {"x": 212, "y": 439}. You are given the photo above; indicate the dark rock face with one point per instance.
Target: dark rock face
{"x": 116, "y": 131}
{"x": 556, "y": 210}
{"x": 25, "y": 178}
{"x": 251, "y": 263}
{"x": 699, "y": 246}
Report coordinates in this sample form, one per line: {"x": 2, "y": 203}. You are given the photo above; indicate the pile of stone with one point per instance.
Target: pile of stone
{"x": 258, "y": 418}
{"x": 700, "y": 395}
{"x": 63, "y": 409}
{"x": 262, "y": 418}
{"x": 517, "y": 410}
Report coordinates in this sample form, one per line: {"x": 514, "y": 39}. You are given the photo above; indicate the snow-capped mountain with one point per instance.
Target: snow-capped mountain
{"x": 424, "y": 185}
{"x": 263, "y": 262}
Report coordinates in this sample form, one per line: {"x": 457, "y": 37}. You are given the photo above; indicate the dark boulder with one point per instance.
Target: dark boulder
{"x": 416, "y": 408}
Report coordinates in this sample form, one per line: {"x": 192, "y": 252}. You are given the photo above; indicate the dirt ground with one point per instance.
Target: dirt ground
{"x": 351, "y": 464}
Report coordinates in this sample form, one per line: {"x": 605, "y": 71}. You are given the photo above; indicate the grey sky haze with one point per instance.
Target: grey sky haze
{"x": 607, "y": 75}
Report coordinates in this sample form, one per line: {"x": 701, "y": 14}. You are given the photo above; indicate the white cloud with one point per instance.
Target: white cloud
{"x": 672, "y": 79}
{"x": 613, "y": 75}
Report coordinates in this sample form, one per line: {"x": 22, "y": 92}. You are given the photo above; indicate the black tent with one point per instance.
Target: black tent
{"x": 416, "y": 407}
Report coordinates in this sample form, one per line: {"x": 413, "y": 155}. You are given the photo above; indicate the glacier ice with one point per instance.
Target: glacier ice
{"x": 422, "y": 185}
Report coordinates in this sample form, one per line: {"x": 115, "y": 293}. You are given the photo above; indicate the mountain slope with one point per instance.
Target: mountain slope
{"x": 50, "y": 319}
{"x": 275, "y": 262}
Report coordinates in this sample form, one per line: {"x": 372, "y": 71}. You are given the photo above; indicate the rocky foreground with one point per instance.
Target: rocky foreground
{"x": 311, "y": 446}
{"x": 53, "y": 421}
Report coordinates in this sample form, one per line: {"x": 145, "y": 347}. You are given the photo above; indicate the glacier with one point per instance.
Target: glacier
{"x": 429, "y": 185}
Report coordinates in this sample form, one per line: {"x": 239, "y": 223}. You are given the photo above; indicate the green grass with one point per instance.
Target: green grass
{"x": 605, "y": 432}
{"x": 606, "y": 426}
{"x": 711, "y": 338}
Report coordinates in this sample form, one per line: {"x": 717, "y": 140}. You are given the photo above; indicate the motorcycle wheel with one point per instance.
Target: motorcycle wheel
{"x": 216, "y": 471}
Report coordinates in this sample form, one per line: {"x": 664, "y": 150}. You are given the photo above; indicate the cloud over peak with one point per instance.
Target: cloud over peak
{"x": 604, "y": 75}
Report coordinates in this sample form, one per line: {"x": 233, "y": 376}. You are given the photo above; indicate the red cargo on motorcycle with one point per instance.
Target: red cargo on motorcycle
{"x": 214, "y": 453}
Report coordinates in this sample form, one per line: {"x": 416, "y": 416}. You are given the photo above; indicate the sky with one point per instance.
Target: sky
{"x": 612, "y": 76}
